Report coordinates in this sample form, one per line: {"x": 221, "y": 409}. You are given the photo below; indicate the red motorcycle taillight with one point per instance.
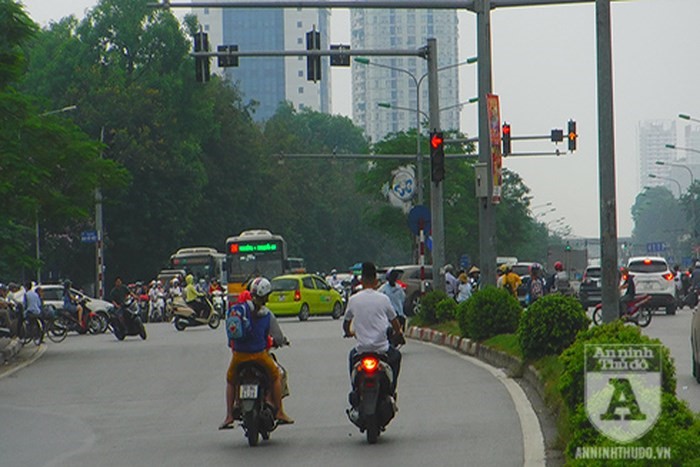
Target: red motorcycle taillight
{"x": 297, "y": 295}
{"x": 669, "y": 276}
{"x": 370, "y": 364}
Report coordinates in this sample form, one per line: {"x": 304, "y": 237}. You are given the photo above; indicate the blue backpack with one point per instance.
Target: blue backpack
{"x": 238, "y": 324}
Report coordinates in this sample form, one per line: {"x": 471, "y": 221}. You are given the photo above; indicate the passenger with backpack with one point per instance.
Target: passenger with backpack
{"x": 536, "y": 285}
{"x": 249, "y": 328}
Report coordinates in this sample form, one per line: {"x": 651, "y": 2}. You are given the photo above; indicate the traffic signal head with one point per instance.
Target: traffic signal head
{"x": 313, "y": 63}
{"x": 202, "y": 65}
{"x": 437, "y": 156}
{"x": 572, "y": 135}
{"x": 505, "y": 137}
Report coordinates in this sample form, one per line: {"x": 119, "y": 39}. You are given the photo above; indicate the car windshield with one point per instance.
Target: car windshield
{"x": 648, "y": 265}
{"x": 521, "y": 269}
{"x": 593, "y": 273}
{"x": 282, "y": 285}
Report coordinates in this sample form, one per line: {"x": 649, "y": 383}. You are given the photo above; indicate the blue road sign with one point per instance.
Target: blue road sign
{"x": 88, "y": 236}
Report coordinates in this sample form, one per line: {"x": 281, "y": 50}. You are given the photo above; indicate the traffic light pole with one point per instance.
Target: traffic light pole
{"x": 437, "y": 218}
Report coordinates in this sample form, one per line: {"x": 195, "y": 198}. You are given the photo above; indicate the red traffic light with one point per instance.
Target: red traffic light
{"x": 436, "y": 140}
{"x": 506, "y": 129}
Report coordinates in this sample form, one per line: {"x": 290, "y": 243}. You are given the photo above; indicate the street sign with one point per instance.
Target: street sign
{"x": 464, "y": 262}
{"x": 656, "y": 247}
{"x": 88, "y": 236}
{"x": 417, "y": 216}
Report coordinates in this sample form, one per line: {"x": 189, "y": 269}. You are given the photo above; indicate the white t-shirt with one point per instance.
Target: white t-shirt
{"x": 371, "y": 313}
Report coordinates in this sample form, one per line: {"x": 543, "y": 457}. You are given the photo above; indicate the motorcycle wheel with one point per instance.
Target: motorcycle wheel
{"x": 56, "y": 331}
{"x": 250, "y": 421}
{"x": 372, "y": 430}
{"x": 142, "y": 331}
{"x": 337, "y": 310}
{"x": 214, "y": 320}
{"x": 644, "y": 317}
{"x": 598, "y": 316}
{"x": 118, "y": 331}
{"x": 104, "y": 321}
{"x": 94, "y": 325}
{"x": 180, "y": 324}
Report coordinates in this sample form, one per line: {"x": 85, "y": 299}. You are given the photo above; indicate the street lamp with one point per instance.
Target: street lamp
{"x": 688, "y": 117}
{"x": 37, "y": 231}
{"x": 544, "y": 213}
{"x": 388, "y": 105}
{"x": 680, "y": 190}
{"x": 541, "y": 205}
{"x": 676, "y": 164}
{"x": 673, "y": 146}
{"x": 417, "y": 82}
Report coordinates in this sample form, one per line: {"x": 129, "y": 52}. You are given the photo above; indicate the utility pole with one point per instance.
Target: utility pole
{"x": 437, "y": 218}
{"x": 99, "y": 245}
{"x": 606, "y": 164}
{"x": 487, "y": 217}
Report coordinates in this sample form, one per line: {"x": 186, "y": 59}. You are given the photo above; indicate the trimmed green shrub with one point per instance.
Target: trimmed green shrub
{"x": 428, "y": 306}
{"x": 445, "y": 310}
{"x": 571, "y": 383}
{"x": 550, "y": 325}
{"x": 490, "y": 311}
{"x": 677, "y": 429}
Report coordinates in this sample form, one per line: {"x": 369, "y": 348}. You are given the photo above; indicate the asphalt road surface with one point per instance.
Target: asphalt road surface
{"x": 674, "y": 333}
{"x": 95, "y": 401}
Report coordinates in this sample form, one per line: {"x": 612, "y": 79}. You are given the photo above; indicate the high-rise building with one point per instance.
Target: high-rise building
{"x": 653, "y": 136}
{"x": 402, "y": 29}
{"x": 271, "y": 80}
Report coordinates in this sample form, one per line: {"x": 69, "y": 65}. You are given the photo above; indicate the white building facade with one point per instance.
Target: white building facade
{"x": 653, "y": 136}
{"x": 371, "y": 85}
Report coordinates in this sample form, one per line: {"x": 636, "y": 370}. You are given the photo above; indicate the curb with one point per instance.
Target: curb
{"x": 9, "y": 350}
{"x": 13, "y": 361}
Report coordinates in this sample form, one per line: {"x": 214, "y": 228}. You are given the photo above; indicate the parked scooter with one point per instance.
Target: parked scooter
{"x": 371, "y": 400}
{"x": 184, "y": 316}
{"x": 126, "y": 321}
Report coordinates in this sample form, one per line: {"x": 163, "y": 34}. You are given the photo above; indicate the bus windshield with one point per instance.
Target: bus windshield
{"x": 202, "y": 263}
{"x": 252, "y": 259}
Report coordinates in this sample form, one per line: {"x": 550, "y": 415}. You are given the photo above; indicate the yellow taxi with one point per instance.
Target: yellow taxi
{"x": 304, "y": 295}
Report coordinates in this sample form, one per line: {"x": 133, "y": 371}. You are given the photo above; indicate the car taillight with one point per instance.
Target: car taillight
{"x": 297, "y": 295}
{"x": 669, "y": 276}
{"x": 369, "y": 364}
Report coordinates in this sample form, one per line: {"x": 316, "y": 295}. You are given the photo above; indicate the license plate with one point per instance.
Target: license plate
{"x": 281, "y": 298}
{"x": 249, "y": 391}
{"x": 649, "y": 285}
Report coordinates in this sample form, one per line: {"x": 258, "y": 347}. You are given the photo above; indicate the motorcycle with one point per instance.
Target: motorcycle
{"x": 127, "y": 321}
{"x": 184, "y": 316}
{"x": 218, "y": 300}
{"x": 635, "y": 312}
{"x": 68, "y": 320}
{"x": 371, "y": 401}
{"x": 157, "y": 308}
{"x": 258, "y": 415}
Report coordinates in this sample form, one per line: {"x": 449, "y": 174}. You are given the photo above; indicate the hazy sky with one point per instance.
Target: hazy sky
{"x": 544, "y": 70}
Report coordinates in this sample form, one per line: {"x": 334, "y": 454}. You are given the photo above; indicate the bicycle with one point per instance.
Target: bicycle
{"x": 31, "y": 329}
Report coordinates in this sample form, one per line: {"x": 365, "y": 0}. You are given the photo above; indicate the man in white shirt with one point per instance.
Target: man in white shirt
{"x": 371, "y": 314}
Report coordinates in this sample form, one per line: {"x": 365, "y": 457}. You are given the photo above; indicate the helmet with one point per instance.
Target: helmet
{"x": 535, "y": 267}
{"x": 260, "y": 287}
{"x": 504, "y": 268}
{"x": 558, "y": 266}
{"x": 333, "y": 271}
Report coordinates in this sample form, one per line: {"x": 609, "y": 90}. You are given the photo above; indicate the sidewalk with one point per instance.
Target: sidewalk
{"x": 13, "y": 356}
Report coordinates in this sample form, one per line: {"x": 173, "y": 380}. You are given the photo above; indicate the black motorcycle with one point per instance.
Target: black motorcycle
{"x": 371, "y": 400}
{"x": 126, "y": 321}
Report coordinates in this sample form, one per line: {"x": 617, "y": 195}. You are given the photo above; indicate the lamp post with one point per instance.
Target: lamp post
{"x": 688, "y": 117}
{"x": 417, "y": 81}
{"x": 544, "y": 213}
{"x": 673, "y": 146}
{"x": 680, "y": 190}
{"x": 676, "y": 164}
{"x": 37, "y": 230}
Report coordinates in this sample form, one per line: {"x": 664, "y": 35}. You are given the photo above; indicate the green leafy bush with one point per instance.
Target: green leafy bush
{"x": 429, "y": 306}
{"x": 445, "y": 310}
{"x": 490, "y": 311}
{"x": 572, "y": 379}
{"x": 550, "y": 325}
{"x": 677, "y": 430}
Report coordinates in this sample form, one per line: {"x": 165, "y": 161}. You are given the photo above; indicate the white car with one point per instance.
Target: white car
{"x": 652, "y": 276}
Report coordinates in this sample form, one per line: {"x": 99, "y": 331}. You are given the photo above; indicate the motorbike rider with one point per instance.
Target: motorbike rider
{"x": 215, "y": 287}
{"x": 118, "y": 295}
{"x": 194, "y": 298}
{"x": 396, "y": 294}
{"x": 371, "y": 313}
{"x": 71, "y": 304}
{"x": 255, "y": 349}
{"x": 629, "y": 289}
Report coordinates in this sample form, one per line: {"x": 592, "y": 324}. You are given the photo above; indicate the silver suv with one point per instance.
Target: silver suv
{"x": 652, "y": 276}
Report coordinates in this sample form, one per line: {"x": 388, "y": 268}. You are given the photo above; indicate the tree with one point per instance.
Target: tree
{"x": 658, "y": 217}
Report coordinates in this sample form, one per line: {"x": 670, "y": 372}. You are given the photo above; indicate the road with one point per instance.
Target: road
{"x": 674, "y": 332}
{"x": 92, "y": 400}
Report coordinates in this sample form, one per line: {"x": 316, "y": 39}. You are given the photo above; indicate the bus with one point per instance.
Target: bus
{"x": 255, "y": 253}
{"x": 202, "y": 262}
